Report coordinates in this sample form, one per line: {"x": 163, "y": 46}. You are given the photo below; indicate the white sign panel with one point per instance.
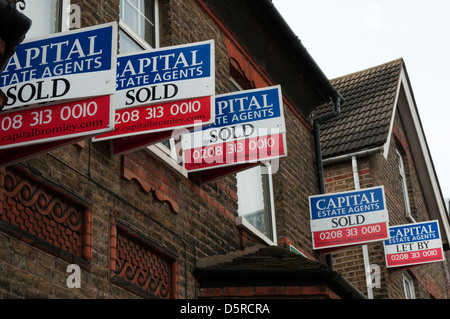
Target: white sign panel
{"x": 68, "y": 65}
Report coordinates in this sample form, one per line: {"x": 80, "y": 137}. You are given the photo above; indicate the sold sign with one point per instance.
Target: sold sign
{"x": 348, "y": 218}
{"x": 162, "y": 90}
{"x": 249, "y": 127}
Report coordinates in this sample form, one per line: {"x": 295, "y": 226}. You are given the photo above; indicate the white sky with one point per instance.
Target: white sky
{"x": 345, "y": 36}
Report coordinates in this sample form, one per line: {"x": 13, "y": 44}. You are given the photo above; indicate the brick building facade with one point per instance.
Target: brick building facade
{"x": 138, "y": 226}
{"x": 384, "y": 149}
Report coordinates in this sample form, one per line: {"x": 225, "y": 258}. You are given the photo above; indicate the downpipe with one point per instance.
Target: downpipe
{"x": 337, "y": 100}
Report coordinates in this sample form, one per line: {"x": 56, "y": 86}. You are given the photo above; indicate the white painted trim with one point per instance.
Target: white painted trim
{"x": 168, "y": 160}
{"x": 407, "y": 278}
{"x": 391, "y": 124}
{"x": 138, "y": 39}
{"x": 243, "y": 223}
{"x": 65, "y": 16}
{"x": 272, "y": 202}
{"x": 424, "y": 149}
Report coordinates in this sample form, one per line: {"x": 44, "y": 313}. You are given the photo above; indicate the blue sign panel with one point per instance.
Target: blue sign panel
{"x": 74, "y": 64}
{"x": 166, "y": 74}
{"x": 347, "y": 203}
{"x": 247, "y": 106}
{"x": 48, "y": 57}
{"x": 413, "y": 233}
{"x": 164, "y": 65}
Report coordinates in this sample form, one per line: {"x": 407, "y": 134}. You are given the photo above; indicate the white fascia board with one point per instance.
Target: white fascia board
{"x": 431, "y": 180}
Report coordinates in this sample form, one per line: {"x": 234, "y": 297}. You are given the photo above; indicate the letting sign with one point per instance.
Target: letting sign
{"x": 249, "y": 127}
{"x": 70, "y": 65}
{"x": 164, "y": 89}
{"x": 413, "y": 244}
{"x": 348, "y": 218}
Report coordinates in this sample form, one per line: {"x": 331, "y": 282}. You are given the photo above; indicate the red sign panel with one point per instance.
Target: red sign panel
{"x": 411, "y": 258}
{"x": 350, "y": 235}
{"x": 160, "y": 117}
{"x": 55, "y": 122}
{"x": 234, "y": 152}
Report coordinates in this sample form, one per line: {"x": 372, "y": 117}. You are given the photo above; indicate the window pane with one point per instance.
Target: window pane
{"x": 149, "y": 24}
{"x": 127, "y": 45}
{"x": 408, "y": 294}
{"x": 139, "y": 15}
{"x": 46, "y": 16}
{"x": 254, "y": 199}
{"x": 131, "y": 16}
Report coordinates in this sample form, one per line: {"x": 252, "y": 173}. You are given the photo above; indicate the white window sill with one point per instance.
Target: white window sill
{"x": 168, "y": 161}
{"x": 241, "y": 222}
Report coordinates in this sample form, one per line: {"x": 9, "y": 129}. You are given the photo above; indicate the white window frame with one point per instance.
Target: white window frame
{"x": 64, "y": 13}
{"x": 65, "y": 16}
{"x": 408, "y": 285}
{"x": 241, "y": 221}
{"x": 137, "y": 38}
{"x": 404, "y": 182}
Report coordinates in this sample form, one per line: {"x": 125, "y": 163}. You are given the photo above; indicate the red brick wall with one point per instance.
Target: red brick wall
{"x": 339, "y": 178}
{"x": 140, "y": 265}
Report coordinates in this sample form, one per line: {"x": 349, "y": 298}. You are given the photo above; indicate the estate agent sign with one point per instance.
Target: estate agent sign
{"x": 348, "y": 218}
{"x": 164, "y": 89}
{"x": 67, "y": 65}
{"x": 413, "y": 244}
{"x": 60, "y": 87}
{"x": 249, "y": 127}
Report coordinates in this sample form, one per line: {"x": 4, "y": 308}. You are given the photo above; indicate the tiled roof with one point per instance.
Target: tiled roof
{"x": 365, "y": 115}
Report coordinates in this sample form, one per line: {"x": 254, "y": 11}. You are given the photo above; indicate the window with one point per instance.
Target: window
{"x": 47, "y": 16}
{"x": 408, "y": 285}
{"x": 138, "y": 25}
{"x": 255, "y": 201}
{"x": 404, "y": 185}
{"x": 255, "y": 197}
